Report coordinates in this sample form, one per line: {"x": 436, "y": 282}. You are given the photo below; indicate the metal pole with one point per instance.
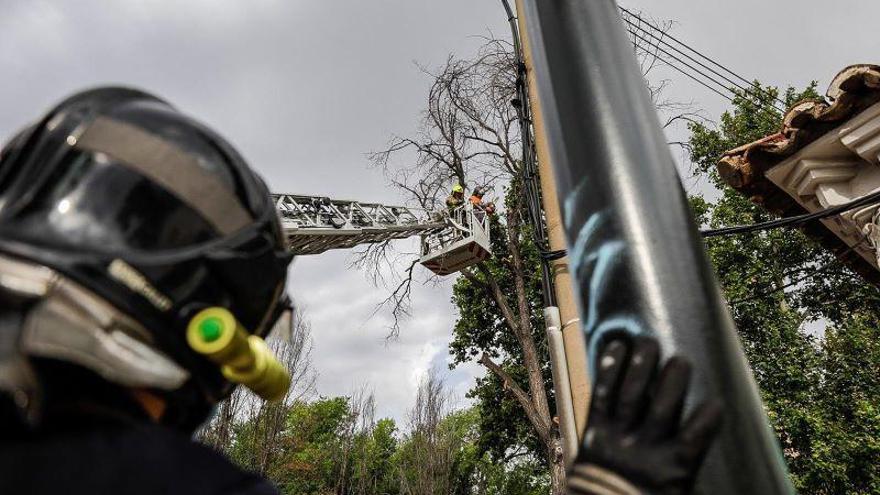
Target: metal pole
{"x": 572, "y": 336}
{"x": 551, "y": 287}
{"x": 634, "y": 250}
{"x": 561, "y": 385}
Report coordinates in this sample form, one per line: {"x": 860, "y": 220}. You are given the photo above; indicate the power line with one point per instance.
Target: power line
{"x": 794, "y": 221}
{"x": 670, "y": 63}
{"x": 679, "y": 69}
{"x": 658, "y": 40}
{"x": 757, "y": 93}
{"x": 698, "y": 53}
{"x": 754, "y": 89}
{"x": 729, "y": 97}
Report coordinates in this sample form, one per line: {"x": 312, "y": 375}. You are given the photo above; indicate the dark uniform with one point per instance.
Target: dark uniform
{"x": 113, "y": 456}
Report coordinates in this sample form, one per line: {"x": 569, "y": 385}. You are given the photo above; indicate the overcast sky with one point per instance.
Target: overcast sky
{"x": 304, "y": 88}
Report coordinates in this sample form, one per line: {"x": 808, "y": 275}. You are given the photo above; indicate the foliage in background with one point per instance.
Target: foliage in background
{"x": 334, "y": 446}
{"x": 809, "y": 325}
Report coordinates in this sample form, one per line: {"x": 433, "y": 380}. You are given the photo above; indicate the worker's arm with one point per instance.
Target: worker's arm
{"x": 635, "y": 441}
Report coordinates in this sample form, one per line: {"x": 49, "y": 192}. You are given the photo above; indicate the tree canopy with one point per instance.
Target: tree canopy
{"x": 809, "y": 325}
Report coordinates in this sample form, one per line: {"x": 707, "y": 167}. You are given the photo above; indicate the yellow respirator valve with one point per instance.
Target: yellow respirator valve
{"x": 243, "y": 358}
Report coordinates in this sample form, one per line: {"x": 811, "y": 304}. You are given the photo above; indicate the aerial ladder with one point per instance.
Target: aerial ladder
{"x": 450, "y": 240}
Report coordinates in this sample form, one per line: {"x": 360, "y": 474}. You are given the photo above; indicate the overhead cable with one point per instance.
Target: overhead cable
{"x": 679, "y": 69}
{"x": 698, "y": 53}
{"x": 553, "y": 255}
{"x": 759, "y": 94}
{"x": 675, "y": 63}
{"x": 795, "y": 221}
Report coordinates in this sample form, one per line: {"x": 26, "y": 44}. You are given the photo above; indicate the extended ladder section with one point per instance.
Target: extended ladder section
{"x": 314, "y": 224}
{"x": 450, "y": 240}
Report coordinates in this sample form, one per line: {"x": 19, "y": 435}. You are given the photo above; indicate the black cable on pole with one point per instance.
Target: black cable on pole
{"x": 795, "y": 221}
{"x": 531, "y": 188}
{"x": 553, "y": 255}
{"x": 746, "y": 91}
{"x": 688, "y": 47}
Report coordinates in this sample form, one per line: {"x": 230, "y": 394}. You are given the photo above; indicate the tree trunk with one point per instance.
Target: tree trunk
{"x": 557, "y": 466}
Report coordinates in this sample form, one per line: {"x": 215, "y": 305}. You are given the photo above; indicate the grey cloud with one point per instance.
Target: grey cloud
{"x": 303, "y": 88}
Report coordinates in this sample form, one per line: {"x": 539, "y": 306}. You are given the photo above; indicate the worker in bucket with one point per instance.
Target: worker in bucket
{"x": 481, "y": 209}
{"x": 455, "y": 198}
{"x": 636, "y": 442}
{"x": 141, "y": 265}
{"x": 476, "y": 198}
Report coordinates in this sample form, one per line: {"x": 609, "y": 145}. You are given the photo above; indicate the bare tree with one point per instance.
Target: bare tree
{"x": 352, "y": 463}
{"x": 469, "y": 134}
{"x": 427, "y": 466}
{"x": 217, "y": 433}
{"x": 269, "y": 418}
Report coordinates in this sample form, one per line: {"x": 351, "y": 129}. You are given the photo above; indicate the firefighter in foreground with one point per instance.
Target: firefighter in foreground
{"x": 141, "y": 264}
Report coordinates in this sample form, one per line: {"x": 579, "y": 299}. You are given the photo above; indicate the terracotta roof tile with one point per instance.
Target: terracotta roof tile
{"x": 853, "y": 90}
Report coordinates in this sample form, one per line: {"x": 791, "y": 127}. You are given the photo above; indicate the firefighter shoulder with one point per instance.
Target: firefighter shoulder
{"x": 141, "y": 267}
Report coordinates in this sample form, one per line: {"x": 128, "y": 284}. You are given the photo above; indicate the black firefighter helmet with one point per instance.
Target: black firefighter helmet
{"x": 156, "y": 215}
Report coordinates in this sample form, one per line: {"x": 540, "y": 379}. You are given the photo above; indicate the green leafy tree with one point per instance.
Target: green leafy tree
{"x": 332, "y": 446}
{"x": 808, "y": 324}
{"x": 310, "y": 444}
{"x": 476, "y": 473}
{"x": 481, "y": 329}
{"x": 376, "y": 469}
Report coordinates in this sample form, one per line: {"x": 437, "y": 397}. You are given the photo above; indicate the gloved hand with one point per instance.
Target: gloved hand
{"x": 635, "y": 442}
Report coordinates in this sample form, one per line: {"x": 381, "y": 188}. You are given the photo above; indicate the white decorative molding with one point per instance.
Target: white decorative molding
{"x": 837, "y": 168}
{"x": 862, "y": 137}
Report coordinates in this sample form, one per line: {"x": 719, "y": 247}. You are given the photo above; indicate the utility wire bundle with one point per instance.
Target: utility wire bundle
{"x": 654, "y": 41}
{"x": 678, "y": 55}
{"x": 796, "y": 221}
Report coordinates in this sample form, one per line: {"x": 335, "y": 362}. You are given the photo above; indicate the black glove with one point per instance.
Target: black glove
{"x": 635, "y": 442}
